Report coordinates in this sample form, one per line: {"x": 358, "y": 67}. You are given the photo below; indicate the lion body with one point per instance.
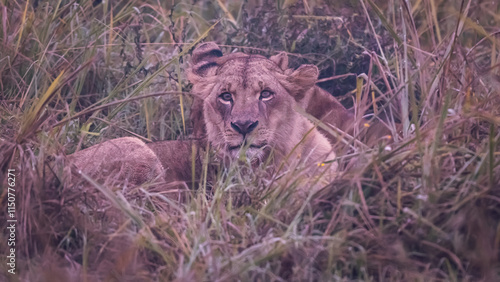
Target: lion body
{"x": 122, "y": 158}
{"x": 247, "y": 109}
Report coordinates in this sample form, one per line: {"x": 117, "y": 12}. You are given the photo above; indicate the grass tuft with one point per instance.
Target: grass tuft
{"x": 422, "y": 208}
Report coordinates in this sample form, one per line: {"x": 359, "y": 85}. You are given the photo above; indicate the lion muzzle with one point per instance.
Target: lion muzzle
{"x": 244, "y": 127}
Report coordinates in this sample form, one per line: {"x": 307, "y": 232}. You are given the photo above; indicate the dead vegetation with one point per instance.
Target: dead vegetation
{"x": 424, "y": 208}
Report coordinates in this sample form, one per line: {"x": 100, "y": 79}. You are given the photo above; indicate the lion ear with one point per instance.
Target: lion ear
{"x": 204, "y": 61}
{"x": 303, "y": 78}
{"x": 281, "y": 60}
{"x": 207, "y": 51}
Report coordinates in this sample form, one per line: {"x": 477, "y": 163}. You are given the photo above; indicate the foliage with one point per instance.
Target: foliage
{"x": 426, "y": 207}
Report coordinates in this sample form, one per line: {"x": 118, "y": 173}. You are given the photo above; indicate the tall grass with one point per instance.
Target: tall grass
{"x": 423, "y": 208}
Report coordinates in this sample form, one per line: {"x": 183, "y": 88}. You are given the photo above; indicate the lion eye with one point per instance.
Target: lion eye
{"x": 266, "y": 95}
{"x": 226, "y": 97}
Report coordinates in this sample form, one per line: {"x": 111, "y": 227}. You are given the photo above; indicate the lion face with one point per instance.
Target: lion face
{"x": 248, "y": 101}
{"x": 248, "y": 108}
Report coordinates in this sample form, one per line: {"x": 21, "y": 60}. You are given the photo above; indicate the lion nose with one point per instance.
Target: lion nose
{"x": 244, "y": 127}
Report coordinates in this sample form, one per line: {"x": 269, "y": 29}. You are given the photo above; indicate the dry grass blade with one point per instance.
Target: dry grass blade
{"x": 23, "y": 23}
{"x": 420, "y": 206}
{"x": 35, "y": 111}
{"x": 116, "y": 199}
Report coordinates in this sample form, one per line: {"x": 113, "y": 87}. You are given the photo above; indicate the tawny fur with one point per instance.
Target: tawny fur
{"x": 288, "y": 136}
{"x": 280, "y": 127}
{"x": 314, "y": 100}
{"x": 126, "y": 158}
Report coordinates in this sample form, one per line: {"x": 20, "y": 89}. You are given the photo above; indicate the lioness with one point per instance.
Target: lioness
{"x": 249, "y": 101}
{"x": 249, "y": 105}
{"x": 312, "y": 99}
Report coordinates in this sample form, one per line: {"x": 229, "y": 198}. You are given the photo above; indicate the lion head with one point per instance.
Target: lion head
{"x": 249, "y": 104}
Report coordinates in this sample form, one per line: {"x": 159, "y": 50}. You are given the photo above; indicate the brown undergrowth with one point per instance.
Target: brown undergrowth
{"x": 422, "y": 208}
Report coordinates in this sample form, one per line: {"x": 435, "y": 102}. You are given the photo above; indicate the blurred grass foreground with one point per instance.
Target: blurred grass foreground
{"x": 425, "y": 207}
